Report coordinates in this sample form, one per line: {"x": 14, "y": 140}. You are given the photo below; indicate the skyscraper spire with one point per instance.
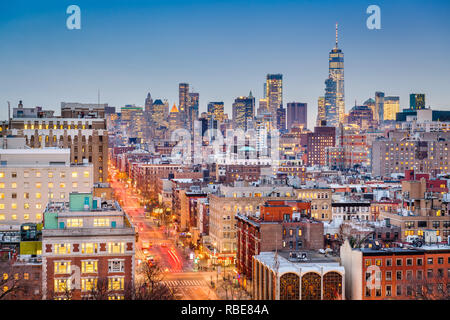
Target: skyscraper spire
{"x": 336, "y": 35}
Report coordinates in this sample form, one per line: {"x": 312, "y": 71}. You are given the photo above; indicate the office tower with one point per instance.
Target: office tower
{"x": 331, "y": 115}
{"x": 148, "y": 103}
{"x": 192, "y": 109}
{"x": 318, "y": 141}
{"x": 281, "y": 119}
{"x": 183, "y": 95}
{"x": 263, "y": 106}
{"x": 361, "y": 116}
{"x": 391, "y": 107}
{"x": 158, "y": 113}
{"x": 379, "y": 105}
{"x": 30, "y": 178}
{"x": 417, "y": 101}
{"x": 296, "y": 115}
{"x": 216, "y": 111}
{"x": 336, "y": 72}
{"x": 321, "y": 113}
{"x": 243, "y": 112}
{"x": 372, "y": 106}
{"x": 274, "y": 92}
{"x": 133, "y": 118}
{"x": 82, "y": 129}
{"x": 175, "y": 119}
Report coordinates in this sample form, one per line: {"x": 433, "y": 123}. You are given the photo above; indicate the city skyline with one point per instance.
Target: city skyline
{"x": 157, "y": 66}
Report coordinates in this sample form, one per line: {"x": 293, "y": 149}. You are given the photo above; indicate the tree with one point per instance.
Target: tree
{"x": 12, "y": 282}
{"x": 427, "y": 288}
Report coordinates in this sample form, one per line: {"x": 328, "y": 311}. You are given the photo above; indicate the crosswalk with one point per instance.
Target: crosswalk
{"x": 185, "y": 283}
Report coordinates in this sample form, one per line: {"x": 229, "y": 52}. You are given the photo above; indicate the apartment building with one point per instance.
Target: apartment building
{"x": 30, "y": 178}
{"x": 86, "y": 241}
{"x": 320, "y": 199}
{"x": 229, "y": 201}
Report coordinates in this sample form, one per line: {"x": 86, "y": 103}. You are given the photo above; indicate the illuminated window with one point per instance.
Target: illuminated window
{"x": 116, "y": 247}
{"x": 2, "y": 174}
{"x": 38, "y": 185}
{"x": 2, "y": 217}
{"x": 62, "y": 174}
{"x": 38, "y": 195}
{"x": 5, "y": 276}
{"x": 2, "y": 185}
{"x": 26, "y": 206}
{"x": 38, "y": 174}
{"x": 50, "y": 174}
{"x": 88, "y": 284}
{"x": 62, "y": 285}
{"x": 26, "y": 216}
{"x": 116, "y": 283}
{"x": 2, "y": 196}
{"x": 14, "y": 206}
{"x": 14, "y": 217}
{"x": 74, "y": 223}
{"x": 63, "y": 248}
{"x": 38, "y": 205}
{"x": 62, "y": 185}
{"x": 86, "y": 174}
{"x": 62, "y": 267}
{"x": 14, "y": 185}
{"x": 101, "y": 222}
{"x": 74, "y": 185}
{"x": 38, "y": 216}
{"x": 89, "y": 248}
{"x": 50, "y": 184}
{"x": 74, "y": 174}
{"x": 89, "y": 266}
{"x": 2, "y": 206}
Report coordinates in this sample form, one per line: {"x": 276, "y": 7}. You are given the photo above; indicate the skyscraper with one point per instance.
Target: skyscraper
{"x": 243, "y": 111}
{"x": 417, "y": 101}
{"x": 274, "y": 92}
{"x": 321, "y": 113}
{"x": 183, "y": 96}
{"x": 148, "y": 103}
{"x": 216, "y": 112}
{"x": 379, "y": 105}
{"x": 372, "y": 106}
{"x": 281, "y": 119}
{"x": 331, "y": 111}
{"x": 296, "y": 115}
{"x": 391, "y": 107}
{"x": 336, "y": 72}
{"x": 192, "y": 109}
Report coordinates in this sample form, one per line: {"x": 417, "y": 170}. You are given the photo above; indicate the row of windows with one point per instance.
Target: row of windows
{"x": 88, "y": 284}
{"x": 38, "y": 217}
{"x": 88, "y": 266}
{"x": 409, "y": 261}
{"x": 89, "y": 248}
{"x": 50, "y": 174}
{"x": 400, "y": 290}
{"x": 38, "y": 185}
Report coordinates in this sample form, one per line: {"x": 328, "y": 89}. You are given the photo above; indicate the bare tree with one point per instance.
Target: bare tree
{"x": 427, "y": 288}
{"x": 13, "y": 285}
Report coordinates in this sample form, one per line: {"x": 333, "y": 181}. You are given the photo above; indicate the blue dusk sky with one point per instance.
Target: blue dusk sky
{"x": 223, "y": 49}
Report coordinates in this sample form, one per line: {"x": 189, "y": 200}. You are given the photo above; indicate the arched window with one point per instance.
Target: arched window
{"x": 311, "y": 286}
{"x": 289, "y": 286}
{"x": 332, "y": 286}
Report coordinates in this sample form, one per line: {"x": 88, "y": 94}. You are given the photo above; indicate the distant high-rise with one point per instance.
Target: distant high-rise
{"x": 243, "y": 112}
{"x": 331, "y": 111}
{"x": 391, "y": 107}
{"x": 296, "y": 115}
{"x": 216, "y": 112}
{"x": 183, "y": 96}
{"x": 379, "y": 105}
{"x": 281, "y": 118}
{"x": 274, "y": 92}
{"x": 148, "y": 102}
{"x": 263, "y": 106}
{"x": 372, "y": 106}
{"x": 417, "y": 101}
{"x": 192, "y": 109}
{"x": 336, "y": 72}
{"x": 321, "y": 113}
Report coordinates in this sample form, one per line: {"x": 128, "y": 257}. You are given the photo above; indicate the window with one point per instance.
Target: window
{"x": 86, "y": 174}
{"x": 26, "y": 216}
{"x": 14, "y": 196}
{"x": 101, "y": 222}
{"x": 50, "y": 185}
{"x": 409, "y": 275}
{"x": 430, "y": 261}
{"x": 13, "y": 174}
{"x": 38, "y": 185}
{"x": 88, "y": 284}
{"x": 419, "y": 261}
{"x": 388, "y": 262}
{"x": 2, "y": 196}
{"x": 62, "y": 174}
{"x": 409, "y": 262}
{"x": 378, "y": 262}
{"x": 74, "y": 185}
{"x": 2, "y": 185}
{"x": 388, "y": 275}
{"x": 89, "y": 248}
{"x": 399, "y": 290}
{"x": 14, "y": 206}
{"x": 74, "y": 174}
{"x": 430, "y": 273}
{"x": 38, "y": 174}
{"x": 89, "y": 266}
{"x": 61, "y": 248}
{"x": 368, "y": 262}
{"x": 14, "y": 185}
{"x": 419, "y": 274}
{"x": 388, "y": 291}
{"x": 2, "y": 206}
{"x": 62, "y": 185}
{"x": 116, "y": 247}
{"x": 116, "y": 265}
{"x": 399, "y": 275}
{"x": 440, "y": 260}
{"x": 61, "y": 285}
{"x": 62, "y": 267}
{"x": 26, "y": 195}
{"x": 398, "y": 262}
{"x": 50, "y": 174}
{"x": 74, "y": 223}
{"x": 38, "y": 195}
{"x": 116, "y": 283}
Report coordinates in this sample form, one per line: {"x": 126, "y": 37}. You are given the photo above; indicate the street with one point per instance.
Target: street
{"x": 153, "y": 243}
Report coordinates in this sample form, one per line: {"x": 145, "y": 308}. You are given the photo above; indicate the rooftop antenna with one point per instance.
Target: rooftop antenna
{"x": 336, "y": 35}
{"x": 9, "y": 110}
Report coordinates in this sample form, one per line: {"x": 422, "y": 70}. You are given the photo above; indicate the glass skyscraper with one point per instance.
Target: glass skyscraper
{"x": 336, "y": 73}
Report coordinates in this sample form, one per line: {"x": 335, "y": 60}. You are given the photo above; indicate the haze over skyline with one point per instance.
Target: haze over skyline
{"x": 222, "y": 49}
